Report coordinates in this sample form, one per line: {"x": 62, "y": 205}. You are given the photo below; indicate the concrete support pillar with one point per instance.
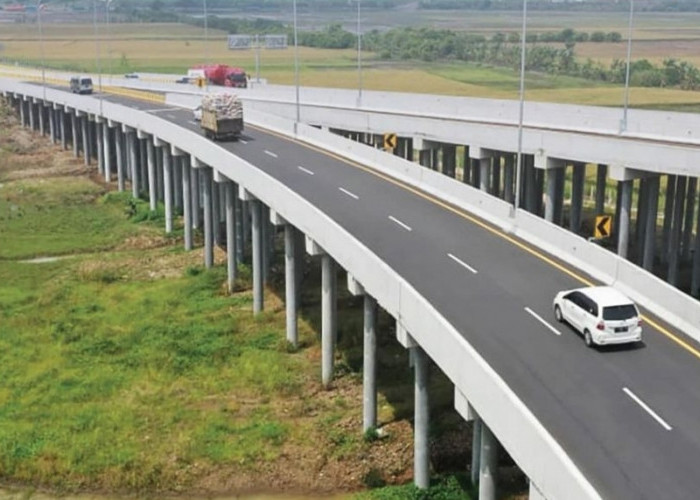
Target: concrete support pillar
{"x": 99, "y": 139}
{"x": 120, "y": 142}
{"x": 484, "y": 173}
{"x": 86, "y": 139}
{"x": 168, "y": 188}
{"x": 508, "y": 178}
{"x": 159, "y": 174}
{"x": 650, "y": 230}
{"x": 256, "y": 211}
{"x": 267, "y": 244}
{"x": 530, "y": 181}
{"x": 496, "y": 176}
{"x": 560, "y": 178}
{"x": 74, "y": 133}
{"x": 290, "y": 283}
{"x": 216, "y": 214}
{"x": 187, "y": 200}
{"x": 577, "y": 185}
{"x": 369, "y": 365}
{"x": 421, "y": 452}
{"x": 196, "y": 204}
{"x": 676, "y": 227}
{"x": 230, "y": 196}
{"x": 328, "y": 317}
{"x": 640, "y": 221}
{"x": 133, "y": 163}
{"x": 695, "y": 276}
{"x": 143, "y": 161}
{"x": 107, "y": 152}
{"x": 240, "y": 235}
{"x": 449, "y": 160}
{"x": 152, "y": 175}
{"x": 689, "y": 217}
{"x": 22, "y": 113}
{"x": 488, "y": 472}
{"x": 668, "y": 216}
{"x": 600, "y": 184}
{"x": 476, "y": 449}
{"x": 52, "y": 125}
{"x": 32, "y": 115}
{"x": 62, "y": 128}
{"x": 42, "y": 120}
{"x": 206, "y": 175}
{"x": 624, "y": 224}
{"x": 550, "y": 194}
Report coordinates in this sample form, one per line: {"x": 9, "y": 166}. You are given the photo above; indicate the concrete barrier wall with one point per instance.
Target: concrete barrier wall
{"x": 537, "y": 453}
{"x": 651, "y": 292}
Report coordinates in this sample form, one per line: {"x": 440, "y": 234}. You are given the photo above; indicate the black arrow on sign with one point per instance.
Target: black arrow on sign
{"x": 601, "y": 227}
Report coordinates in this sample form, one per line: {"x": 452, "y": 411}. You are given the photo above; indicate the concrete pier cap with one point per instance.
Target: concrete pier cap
{"x": 354, "y": 286}
{"x": 404, "y": 337}
{"x": 194, "y": 161}
{"x": 277, "y": 219}
{"x": 245, "y": 195}
{"x": 142, "y": 135}
{"x": 313, "y": 248}
{"x": 463, "y": 407}
{"x": 220, "y": 178}
{"x": 479, "y": 153}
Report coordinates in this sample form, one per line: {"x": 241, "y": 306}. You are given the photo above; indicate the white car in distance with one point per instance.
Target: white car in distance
{"x": 197, "y": 113}
{"x": 602, "y": 314}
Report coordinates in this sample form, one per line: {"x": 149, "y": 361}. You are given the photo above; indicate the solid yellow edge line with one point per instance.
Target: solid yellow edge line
{"x": 481, "y": 224}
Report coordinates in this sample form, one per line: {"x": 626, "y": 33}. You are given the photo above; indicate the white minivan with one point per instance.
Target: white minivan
{"x": 81, "y": 85}
{"x": 602, "y": 314}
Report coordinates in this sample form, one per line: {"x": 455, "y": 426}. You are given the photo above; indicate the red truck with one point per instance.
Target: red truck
{"x": 221, "y": 74}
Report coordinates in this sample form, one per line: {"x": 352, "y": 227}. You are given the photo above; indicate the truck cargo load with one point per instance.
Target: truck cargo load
{"x": 222, "y": 116}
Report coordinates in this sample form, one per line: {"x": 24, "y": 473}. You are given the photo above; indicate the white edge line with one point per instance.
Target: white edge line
{"x": 462, "y": 263}
{"x": 647, "y": 409}
{"x": 305, "y": 170}
{"x": 541, "y": 320}
{"x": 242, "y": 141}
{"x": 351, "y": 195}
{"x": 397, "y": 221}
{"x": 270, "y": 153}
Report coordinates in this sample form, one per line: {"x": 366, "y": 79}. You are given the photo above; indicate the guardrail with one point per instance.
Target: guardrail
{"x": 532, "y": 447}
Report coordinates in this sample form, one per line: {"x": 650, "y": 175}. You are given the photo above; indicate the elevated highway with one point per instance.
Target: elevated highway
{"x": 466, "y": 285}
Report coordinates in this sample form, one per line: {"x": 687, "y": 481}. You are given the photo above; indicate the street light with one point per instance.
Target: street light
{"x": 97, "y": 50}
{"x": 623, "y": 124}
{"x": 519, "y": 163}
{"x": 206, "y": 39}
{"x": 296, "y": 64}
{"x": 359, "y": 54}
{"x": 41, "y": 48}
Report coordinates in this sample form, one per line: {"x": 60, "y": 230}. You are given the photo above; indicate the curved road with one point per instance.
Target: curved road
{"x": 628, "y": 417}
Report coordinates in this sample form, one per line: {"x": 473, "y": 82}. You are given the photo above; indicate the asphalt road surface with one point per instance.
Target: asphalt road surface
{"x": 629, "y": 417}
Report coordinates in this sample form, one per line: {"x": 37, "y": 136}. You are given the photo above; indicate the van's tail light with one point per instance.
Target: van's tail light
{"x": 600, "y": 326}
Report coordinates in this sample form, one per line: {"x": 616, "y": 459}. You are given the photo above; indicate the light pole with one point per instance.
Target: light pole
{"x": 97, "y": 50}
{"x": 359, "y": 53}
{"x": 296, "y": 64}
{"x": 519, "y": 163}
{"x": 41, "y": 48}
{"x": 623, "y": 124}
{"x": 206, "y": 39}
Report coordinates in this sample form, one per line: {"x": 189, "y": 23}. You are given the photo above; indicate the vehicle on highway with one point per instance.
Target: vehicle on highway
{"x": 183, "y": 79}
{"x": 131, "y": 75}
{"x": 222, "y": 116}
{"x": 81, "y": 85}
{"x": 602, "y": 314}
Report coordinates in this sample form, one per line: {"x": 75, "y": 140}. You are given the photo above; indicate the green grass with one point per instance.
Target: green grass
{"x": 49, "y": 218}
